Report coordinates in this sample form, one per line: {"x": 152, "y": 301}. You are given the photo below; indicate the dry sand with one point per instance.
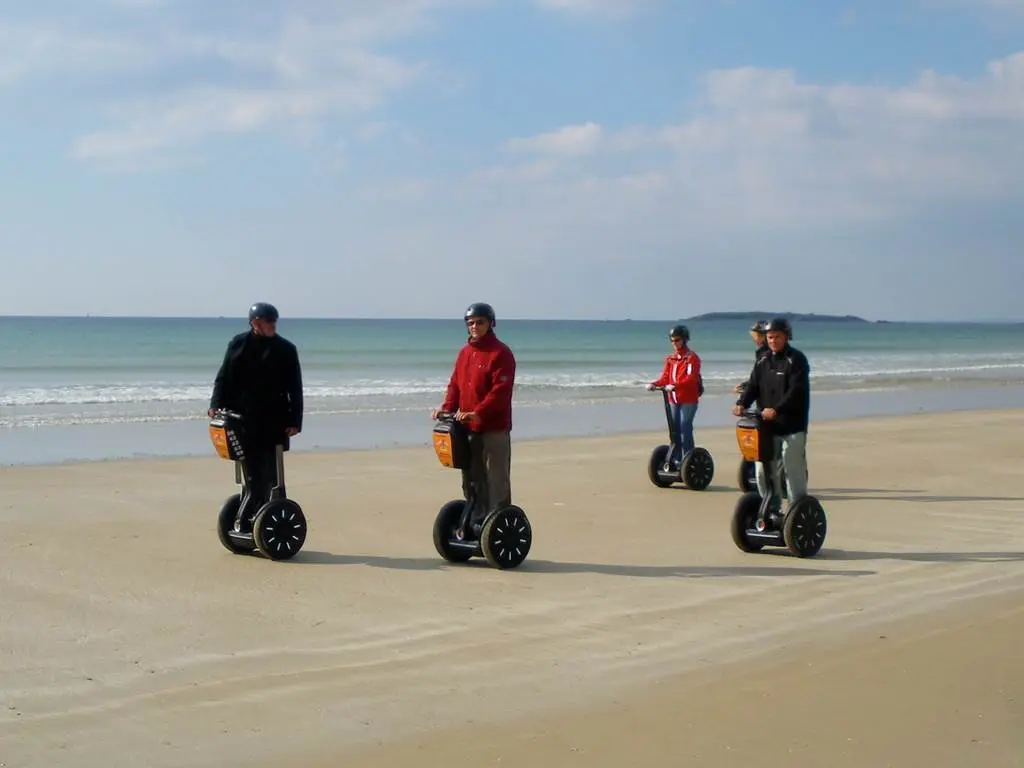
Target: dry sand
{"x": 635, "y": 634}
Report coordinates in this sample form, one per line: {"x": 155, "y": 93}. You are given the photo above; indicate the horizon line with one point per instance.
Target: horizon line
{"x": 456, "y": 318}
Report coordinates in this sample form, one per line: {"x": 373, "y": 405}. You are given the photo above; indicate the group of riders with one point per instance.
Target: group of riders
{"x": 260, "y": 378}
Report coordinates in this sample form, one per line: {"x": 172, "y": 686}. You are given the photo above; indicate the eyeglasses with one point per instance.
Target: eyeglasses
{"x": 676, "y": 339}
{"x": 476, "y": 322}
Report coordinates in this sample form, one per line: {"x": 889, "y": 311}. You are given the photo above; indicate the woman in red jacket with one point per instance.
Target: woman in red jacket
{"x": 682, "y": 372}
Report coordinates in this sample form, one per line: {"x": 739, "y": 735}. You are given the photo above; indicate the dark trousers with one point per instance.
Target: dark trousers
{"x": 488, "y": 478}
{"x": 260, "y": 468}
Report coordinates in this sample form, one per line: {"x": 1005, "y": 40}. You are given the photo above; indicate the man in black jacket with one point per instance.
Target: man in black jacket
{"x": 761, "y": 348}
{"x": 260, "y": 379}
{"x": 780, "y": 383}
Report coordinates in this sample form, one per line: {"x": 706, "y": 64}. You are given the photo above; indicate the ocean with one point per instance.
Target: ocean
{"x": 104, "y": 388}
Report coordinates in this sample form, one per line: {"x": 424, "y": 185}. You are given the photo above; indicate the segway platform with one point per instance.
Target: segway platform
{"x": 276, "y": 528}
{"x": 695, "y": 471}
{"x": 759, "y": 522}
{"x": 504, "y": 537}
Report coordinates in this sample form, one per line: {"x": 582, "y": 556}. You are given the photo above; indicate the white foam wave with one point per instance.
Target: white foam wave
{"x": 143, "y": 392}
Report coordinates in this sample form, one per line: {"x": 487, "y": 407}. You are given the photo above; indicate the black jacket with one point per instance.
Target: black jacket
{"x": 260, "y": 378}
{"x": 781, "y": 382}
{"x": 760, "y": 352}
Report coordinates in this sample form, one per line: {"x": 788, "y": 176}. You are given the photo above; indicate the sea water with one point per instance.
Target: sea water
{"x": 102, "y": 388}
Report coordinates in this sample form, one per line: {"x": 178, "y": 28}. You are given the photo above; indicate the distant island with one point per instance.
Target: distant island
{"x": 792, "y": 316}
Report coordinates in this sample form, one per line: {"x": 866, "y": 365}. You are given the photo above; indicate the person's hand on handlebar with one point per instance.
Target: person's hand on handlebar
{"x": 466, "y": 416}
{"x": 737, "y": 410}
{"x": 768, "y": 414}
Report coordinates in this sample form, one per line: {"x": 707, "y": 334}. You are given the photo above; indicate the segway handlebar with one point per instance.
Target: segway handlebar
{"x": 228, "y": 413}
{"x": 446, "y": 416}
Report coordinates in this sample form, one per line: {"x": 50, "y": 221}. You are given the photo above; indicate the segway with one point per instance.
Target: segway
{"x": 759, "y": 523}
{"x": 695, "y": 471}
{"x": 274, "y": 527}
{"x": 504, "y": 537}
{"x": 747, "y": 477}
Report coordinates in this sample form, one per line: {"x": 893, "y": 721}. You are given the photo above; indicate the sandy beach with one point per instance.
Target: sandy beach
{"x": 635, "y": 634}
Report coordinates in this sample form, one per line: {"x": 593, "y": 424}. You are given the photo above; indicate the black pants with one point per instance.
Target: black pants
{"x": 260, "y": 468}
{"x": 488, "y": 477}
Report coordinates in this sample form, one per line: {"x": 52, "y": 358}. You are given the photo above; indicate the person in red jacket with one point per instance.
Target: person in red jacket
{"x": 480, "y": 394}
{"x": 682, "y": 372}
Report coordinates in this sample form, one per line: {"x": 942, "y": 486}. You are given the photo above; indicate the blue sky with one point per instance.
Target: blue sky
{"x": 559, "y": 158}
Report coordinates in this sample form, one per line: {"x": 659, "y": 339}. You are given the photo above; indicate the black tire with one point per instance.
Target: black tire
{"x": 658, "y": 456}
{"x": 226, "y": 522}
{"x": 698, "y": 469}
{"x": 279, "y": 529}
{"x": 743, "y": 518}
{"x": 445, "y": 523}
{"x": 506, "y": 537}
{"x": 805, "y": 527}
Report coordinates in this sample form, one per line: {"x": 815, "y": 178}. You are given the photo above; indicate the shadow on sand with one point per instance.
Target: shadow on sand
{"x": 897, "y": 494}
{"x": 310, "y": 557}
{"x": 923, "y": 557}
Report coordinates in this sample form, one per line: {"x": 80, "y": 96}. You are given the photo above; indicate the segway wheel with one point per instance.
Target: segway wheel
{"x": 743, "y": 518}
{"x": 658, "y": 456}
{"x": 279, "y": 529}
{"x": 226, "y": 523}
{"x": 746, "y": 477}
{"x": 506, "y": 537}
{"x": 698, "y": 469}
{"x": 445, "y": 523}
{"x": 805, "y": 527}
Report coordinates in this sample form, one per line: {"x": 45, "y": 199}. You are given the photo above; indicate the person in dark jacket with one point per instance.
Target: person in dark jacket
{"x": 480, "y": 394}
{"x": 757, "y": 335}
{"x": 780, "y": 383}
{"x": 260, "y": 379}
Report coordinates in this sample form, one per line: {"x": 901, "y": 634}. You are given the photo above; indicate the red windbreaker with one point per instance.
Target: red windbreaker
{"x": 682, "y": 370}
{"x": 482, "y": 381}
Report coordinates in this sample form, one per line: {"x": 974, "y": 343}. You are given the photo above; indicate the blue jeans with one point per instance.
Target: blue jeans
{"x": 683, "y": 416}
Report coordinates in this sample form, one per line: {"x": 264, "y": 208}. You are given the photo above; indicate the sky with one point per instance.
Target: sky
{"x": 557, "y": 158}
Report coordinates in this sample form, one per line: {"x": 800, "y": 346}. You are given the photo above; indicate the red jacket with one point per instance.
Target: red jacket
{"x": 683, "y": 370}
{"x": 485, "y": 372}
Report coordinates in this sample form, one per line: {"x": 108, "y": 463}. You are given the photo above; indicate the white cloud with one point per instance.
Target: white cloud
{"x": 570, "y": 140}
{"x": 222, "y": 70}
{"x": 611, "y": 8}
{"x": 765, "y": 149}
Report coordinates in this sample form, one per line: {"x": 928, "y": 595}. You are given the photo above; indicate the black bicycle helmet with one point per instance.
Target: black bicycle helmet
{"x": 680, "y": 332}
{"x": 480, "y": 309}
{"x": 777, "y": 324}
{"x": 759, "y": 326}
{"x": 263, "y": 311}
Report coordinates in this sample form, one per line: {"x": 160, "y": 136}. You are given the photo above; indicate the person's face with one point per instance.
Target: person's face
{"x": 776, "y": 340}
{"x": 757, "y": 338}
{"x": 477, "y": 327}
{"x": 264, "y": 327}
{"x": 677, "y": 342}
